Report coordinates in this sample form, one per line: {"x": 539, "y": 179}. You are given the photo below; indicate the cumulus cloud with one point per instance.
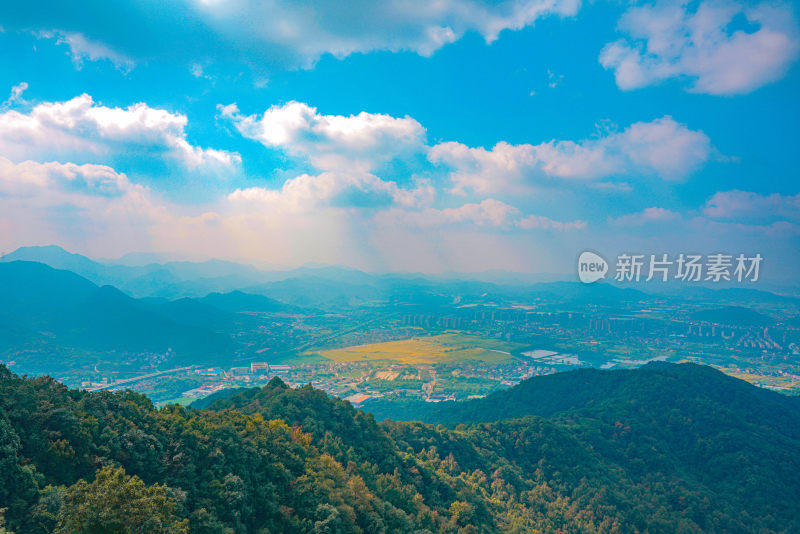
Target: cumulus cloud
{"x": 744, "y": 206}
{"x": 75, "y": 205}
{"x": 663, "y": 147}
{"x": 309, "y": 30}
{"x": 30, "y": 178}
{"x": 273, "y": 32}
{"x": 331, "y": 142}
{"x": 707, "y": 45}
{"x": 64, "y": 129}
{"x": 96, "y": 209}
{"x": 345, "y": 190}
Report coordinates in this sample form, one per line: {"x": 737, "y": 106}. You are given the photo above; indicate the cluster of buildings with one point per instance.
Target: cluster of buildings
{"x": 433, "y": 321}
{"x": 260, "y": 369}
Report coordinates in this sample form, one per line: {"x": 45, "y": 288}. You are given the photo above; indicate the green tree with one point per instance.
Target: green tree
{"x": 3, "y": 522}
{"x": 118, "y": 503}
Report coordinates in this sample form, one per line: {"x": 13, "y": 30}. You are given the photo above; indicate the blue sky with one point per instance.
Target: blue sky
{"x": 408, "y": 136}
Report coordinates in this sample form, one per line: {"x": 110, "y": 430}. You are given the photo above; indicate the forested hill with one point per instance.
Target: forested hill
{"x": 658, "y": 385}
{"x": 662, "y": 449}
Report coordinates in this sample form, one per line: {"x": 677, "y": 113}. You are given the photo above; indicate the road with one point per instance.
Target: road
{"x": 142, "y": 377}
{"x": 343, "y": 332}
{"x": 314, "y": 342}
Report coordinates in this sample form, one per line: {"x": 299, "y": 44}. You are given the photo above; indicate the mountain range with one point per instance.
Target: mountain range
{"x": 332, "y": 287}
{"x": 45, "y": 308}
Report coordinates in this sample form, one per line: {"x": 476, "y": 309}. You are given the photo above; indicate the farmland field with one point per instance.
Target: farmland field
{"x": 428, "y": 350}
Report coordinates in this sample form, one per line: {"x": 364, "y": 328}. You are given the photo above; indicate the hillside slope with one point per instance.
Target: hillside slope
{"x": 663, "y": 449}
{"x": 42, "y": 304}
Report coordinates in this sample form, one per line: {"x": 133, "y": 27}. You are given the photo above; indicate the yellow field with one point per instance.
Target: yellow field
{"x": 427, "y": 350}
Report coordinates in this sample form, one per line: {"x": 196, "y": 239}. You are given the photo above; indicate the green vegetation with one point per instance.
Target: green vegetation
{"x": 733, "y": 315}
{"x": 462, "y": 387}
{"x": 116, "y": 502}
{"x": 661, "y": 449}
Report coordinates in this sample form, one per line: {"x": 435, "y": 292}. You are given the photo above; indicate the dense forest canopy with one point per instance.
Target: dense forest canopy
{"x": 666, "y": 448}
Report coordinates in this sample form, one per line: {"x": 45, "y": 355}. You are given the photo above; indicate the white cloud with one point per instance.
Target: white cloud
{"x": 360, "y": 143}
{"x": 75, "y": 205}
{"x": 744, "y": 206}
{"x": 669, "y": 40}
{"x": 488, "y": 213}
{"x": 84, "y": 49}
{"x": 64, "y": 129}
{"x": 663, "y": 147}
{"x": 648, "y": 215}
{"x": 331, "y": 142}
{"x": 344, "y": 190}
{"x": 97, "y": 210}
{"x": 15, "y": 97}
{"x": 31, "y": 178}
{"x": 545, "y": 223}
{"x": 308, "y": 30}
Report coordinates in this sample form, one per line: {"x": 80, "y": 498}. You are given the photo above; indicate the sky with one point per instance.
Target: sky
{"x": 405, "y": 135}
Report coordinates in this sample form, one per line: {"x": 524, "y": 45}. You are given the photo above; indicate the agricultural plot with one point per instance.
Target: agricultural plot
{"x": 428, "y": 350}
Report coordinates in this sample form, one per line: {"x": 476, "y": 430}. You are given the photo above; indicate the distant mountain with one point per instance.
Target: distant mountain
{"x": 500, "y": 277}
{"x": 733, "y": 315}
{"x": 176, "y": 279}
{"x": 579, "y": 293}
{"x": 100, "y": 274}
{"x": 30, "y": 288}
{"x": 314, "y": 292}
{"x": 720, "y": 294}
{"x": 237, "y": 301}
{"x": 330, "y": 272}
{"x": 743, "y": 294}
{"x": 166, "y": 284}
{"x": 151, "y": 275}
{"x": 193, "y": 312}
{"x": 53, "y": 256}
{"x": 73, "y": 312}
{"x": 318, "y": 286}
{"x": 173, "y": 279}
{"x": 138, "y": 259}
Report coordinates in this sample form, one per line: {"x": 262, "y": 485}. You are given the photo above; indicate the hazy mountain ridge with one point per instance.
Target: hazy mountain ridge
{"x": 74, "y": 312}
{"x": 316, "y": 285}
